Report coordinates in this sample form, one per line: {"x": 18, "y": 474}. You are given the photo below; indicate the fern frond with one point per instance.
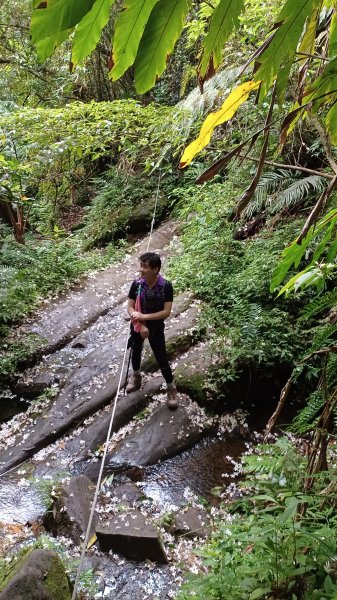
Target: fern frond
{"x": 325, "y": 336}
{"x": 319, "y": 305}
{"x": 307, "y": 418}
{"x": 331, "y": 371}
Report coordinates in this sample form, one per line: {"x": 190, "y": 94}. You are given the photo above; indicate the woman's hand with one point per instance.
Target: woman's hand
{"x": 144, "y": 332}
{"x": 137, "y": 315}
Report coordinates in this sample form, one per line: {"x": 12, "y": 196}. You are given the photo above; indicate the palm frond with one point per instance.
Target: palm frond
{"x": 282, "y": 189}
{"x": 297, "y": 192}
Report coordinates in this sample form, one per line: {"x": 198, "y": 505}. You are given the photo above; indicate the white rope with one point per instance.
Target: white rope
{"x": 98, "y": 485}
{"x": 154, "y": 214}
{"x": 94, "y": 502}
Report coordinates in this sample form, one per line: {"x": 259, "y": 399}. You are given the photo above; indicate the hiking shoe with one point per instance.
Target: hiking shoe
{"x": 134, "y": 384}
{"x": 172, "y": 401}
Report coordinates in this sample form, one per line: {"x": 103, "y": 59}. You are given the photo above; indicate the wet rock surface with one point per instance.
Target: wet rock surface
{"x": 70, "y": 512}
{"x": 130, "y": 535}
{"x": 72, "y": 312}
{"x": 165, "y": 434}
{"x": 192, "y": 522}
{"x": 63, "y": 434}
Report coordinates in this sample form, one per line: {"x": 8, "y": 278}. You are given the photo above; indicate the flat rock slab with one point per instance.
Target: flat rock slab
{"x": 37, "y": 576}
{"x": 192, "y": 522}
{"x": 90, "y": 386}
{"x": 60, "y": 366}
{"x": 74, "y": 311}
{"x": 130, "y": 535}
{"x": 94, "y": 435}
{"x": 165, "y": 434}
{"x": 70, "y": 512}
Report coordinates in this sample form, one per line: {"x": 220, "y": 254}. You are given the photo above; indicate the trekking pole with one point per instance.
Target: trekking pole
{"x": 130, "y": 345}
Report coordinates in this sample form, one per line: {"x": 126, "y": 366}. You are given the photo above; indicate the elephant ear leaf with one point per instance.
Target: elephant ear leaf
{"x": 226, "y": 112}
{"x": 88, "y": 31}
{"x": 161, "y": 33}
{"x": 59, "y": 16}
{"x": 283, "y": 46}
{"x": 129, "y": 28}
{"x": 224, "y": 19}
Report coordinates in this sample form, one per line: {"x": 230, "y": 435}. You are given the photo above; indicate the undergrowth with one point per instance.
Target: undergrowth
{"x": 31, "y": 272}
{"x": 277, "y": 541}
{"x": 232, "y": 278}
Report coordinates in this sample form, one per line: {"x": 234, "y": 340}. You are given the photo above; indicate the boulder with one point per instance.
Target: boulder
{"x": 94, "y": 435}
{"x": 39, "y": 575}
{"x": 127, "y": 493}
{"x": 70, "y": 513}
{"x": 192, "y": 522}
{"x": 130, "y": 535}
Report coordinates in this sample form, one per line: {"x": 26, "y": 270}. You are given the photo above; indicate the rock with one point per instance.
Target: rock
{"x": 37, "y": 576}
{"x": 193, "y": 371}
{"x": 100, "y": 339}
{"x": 73, "y": 311}
{"x": 71, "y": 510}
{"x": 127, "y": 493}
{"x": 142, "y": 214}
{"x": 94, "y": 435}
{"x": 130, "y": 535}
{"x": 90, "y": 386}
{"x": 165, "y": 434}
{"x": 180, "y": 334}
{"x": 192, "y": 522}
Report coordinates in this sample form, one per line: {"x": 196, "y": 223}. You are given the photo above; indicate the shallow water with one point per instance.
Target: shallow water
{"x": 200, "y": 469}
{"x": 20, "y": 500}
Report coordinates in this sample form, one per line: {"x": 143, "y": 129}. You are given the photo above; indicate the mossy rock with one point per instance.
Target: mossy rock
{"x": 35, "y": 575}
{"x": 142, "y": 214}
{"x": 191, "y": 383}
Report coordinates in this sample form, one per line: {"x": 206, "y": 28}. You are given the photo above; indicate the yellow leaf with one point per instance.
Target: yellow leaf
{"x": 92, "y": 541}
{"x": 226, "y": 112}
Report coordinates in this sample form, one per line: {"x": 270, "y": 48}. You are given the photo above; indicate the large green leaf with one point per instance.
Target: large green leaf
{"x": 62, "y": 15}
{"x": 331, "y": 123}
{"x": 323, "y": 90}
{"x": 224, "y": 19}
{"x": 293, "y": 254}
{"x": 46, "y": 47}
{"x": 88, "y": 31}
{"x": 333, "y": 36}
{"x": 129, "y": 29}
{"x": 283, "y": 46}
{"x": 307, "y": 45}
{"x": 161, "y": 33}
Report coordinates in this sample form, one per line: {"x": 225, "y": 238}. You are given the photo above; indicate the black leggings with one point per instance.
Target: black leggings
{"x": 157, "y": 343}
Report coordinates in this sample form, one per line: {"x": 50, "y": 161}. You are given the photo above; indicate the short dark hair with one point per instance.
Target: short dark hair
{"x": 152, "y": 259}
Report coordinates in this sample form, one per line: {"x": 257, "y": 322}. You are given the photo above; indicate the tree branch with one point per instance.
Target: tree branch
{"x": 291, "y": 167}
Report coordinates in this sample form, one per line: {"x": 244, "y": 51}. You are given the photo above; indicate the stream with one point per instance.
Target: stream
{"x": 176, "y": 459}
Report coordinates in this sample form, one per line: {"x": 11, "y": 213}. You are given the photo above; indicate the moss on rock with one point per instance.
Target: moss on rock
{"x": 191, "y": 383}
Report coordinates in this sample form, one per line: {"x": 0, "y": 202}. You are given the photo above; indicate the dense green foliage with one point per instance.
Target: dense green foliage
{"x": 277, "y": 541}
{"x": 31, "y": 272}
{"x": 232, "y": 277}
